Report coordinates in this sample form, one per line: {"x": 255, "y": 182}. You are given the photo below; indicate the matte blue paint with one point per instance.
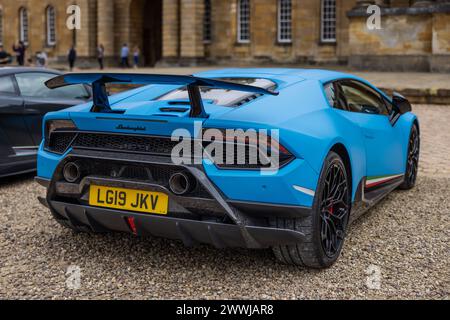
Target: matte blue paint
{"x": 277, "y": 188}
{"x": 308, "y": 127}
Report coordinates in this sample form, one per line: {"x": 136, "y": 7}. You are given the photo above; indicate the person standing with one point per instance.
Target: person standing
{"x": 101, "y": 55}
{"x": 72, "y": 57}
{"x": 136, "y": 54}
{"x": 19, "y": 50}
{"x": 124, "y": 52}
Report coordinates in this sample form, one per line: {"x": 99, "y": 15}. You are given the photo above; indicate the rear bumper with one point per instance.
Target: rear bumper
{"x": 190, "y": 232}
{"x": 209, "y": 217}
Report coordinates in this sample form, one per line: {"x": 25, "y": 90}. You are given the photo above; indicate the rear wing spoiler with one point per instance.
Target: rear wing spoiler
{"x": 100, "y": 95}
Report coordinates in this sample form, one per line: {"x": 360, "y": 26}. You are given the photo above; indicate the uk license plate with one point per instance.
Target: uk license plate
{"x": 129, "y": 199}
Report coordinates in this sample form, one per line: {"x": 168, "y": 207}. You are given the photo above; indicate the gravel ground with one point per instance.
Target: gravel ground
{"x": 405, "y": 238}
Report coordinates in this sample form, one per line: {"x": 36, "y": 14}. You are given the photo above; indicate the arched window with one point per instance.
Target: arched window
{"x": 328, "y": 21}
{"x": 1, "y": 27}
{"x": 243, "y": 21}
{"x": 207, "y": 22}
{"x": 285, "y": 21}
{"x": 23, "y": 25}
{"x": 51, "y": 26}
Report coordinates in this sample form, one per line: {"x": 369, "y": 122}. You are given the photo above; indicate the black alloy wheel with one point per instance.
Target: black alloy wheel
{"x": 334, "y": 209}
{"x": 325, "y": 228}
{"x": 412, "y": 165}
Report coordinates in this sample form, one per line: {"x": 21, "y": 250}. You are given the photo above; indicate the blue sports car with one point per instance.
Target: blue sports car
{"x": 256, "y": 158}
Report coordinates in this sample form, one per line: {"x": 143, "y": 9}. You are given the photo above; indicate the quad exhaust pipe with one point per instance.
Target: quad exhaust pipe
{"x": 181, "y": 183}
{"x": 72, "y": 172}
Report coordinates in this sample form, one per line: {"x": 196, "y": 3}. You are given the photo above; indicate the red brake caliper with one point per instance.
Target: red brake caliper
{"x": 331, "y": 210}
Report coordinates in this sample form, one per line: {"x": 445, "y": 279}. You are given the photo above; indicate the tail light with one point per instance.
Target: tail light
{"x": 58, "y": 134}
{"x": 246, "y": 151}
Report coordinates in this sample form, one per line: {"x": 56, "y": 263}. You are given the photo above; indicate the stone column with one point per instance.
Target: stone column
{"x": 121, "y": 24}
{"x": 86, "y": 37}
{"x": 223, "y": 29}
{"x": 105, "y": 26}
{"x": 192, "y": 46}
{"x": 171, "y": 30}
{"x": 440, "y": 58}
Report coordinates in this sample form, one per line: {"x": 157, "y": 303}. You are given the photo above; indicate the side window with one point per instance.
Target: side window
{"x": 33, "y": 85}
{"x": 333, "y": 97}
{"x": 363, "y": 99}
{"x": 76, "y": 92}
{"x": 330, "y": 94}
{"x": 7, "y": 85}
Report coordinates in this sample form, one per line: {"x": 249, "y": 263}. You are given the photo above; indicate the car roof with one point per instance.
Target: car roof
{"x": 276, "y": 73}
{"x": 4, "y": 71}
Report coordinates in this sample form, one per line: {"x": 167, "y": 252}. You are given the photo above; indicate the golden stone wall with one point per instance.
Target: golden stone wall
{"x": 37, "y": 31}
{"x": 413, "y": 37}
{"x": 305, "y": 46}
{"x": 424, "y": 37}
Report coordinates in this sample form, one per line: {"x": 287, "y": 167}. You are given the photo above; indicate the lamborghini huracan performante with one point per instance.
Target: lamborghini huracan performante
{"x": 328, "y": 146}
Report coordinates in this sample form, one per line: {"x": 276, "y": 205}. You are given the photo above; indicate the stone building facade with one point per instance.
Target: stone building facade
{"x": 414, "y": 34}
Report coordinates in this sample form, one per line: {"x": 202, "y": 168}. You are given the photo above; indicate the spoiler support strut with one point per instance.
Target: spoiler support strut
{"x": 100, "y": 98}
{"x": 197, "y": 108}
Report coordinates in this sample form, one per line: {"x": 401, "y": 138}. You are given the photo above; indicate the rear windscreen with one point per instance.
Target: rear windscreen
{"x": 223, "y": 97}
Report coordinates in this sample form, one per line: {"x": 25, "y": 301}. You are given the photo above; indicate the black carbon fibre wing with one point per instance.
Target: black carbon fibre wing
{"x": 100, "y": 96}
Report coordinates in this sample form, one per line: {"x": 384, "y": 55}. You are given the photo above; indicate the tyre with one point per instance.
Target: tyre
{"x": 412, "y": 164}
{"x": 325, "y": 228}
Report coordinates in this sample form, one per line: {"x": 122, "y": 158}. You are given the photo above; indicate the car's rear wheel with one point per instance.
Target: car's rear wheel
{"x": 326, "y": 227}
{"x": 412, "y": 165}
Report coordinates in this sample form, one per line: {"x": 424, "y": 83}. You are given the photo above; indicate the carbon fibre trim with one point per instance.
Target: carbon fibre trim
{"x": 189, "y": 232}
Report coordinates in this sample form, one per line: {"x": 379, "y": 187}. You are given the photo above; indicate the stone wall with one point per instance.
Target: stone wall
{"x": 37, "y": 26}
{"x": 440, "y": 59}
{"x": 171, "y": 30}
{"x": 415, "y": 34}
{"x": 264, "y": 47}
{"x": 411, "y": 38}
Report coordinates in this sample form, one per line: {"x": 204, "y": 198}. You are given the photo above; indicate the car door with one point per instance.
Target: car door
{"x": 39, "y": 100}
{"x": 14, "y": 134}
{"x": 383, "y": 141}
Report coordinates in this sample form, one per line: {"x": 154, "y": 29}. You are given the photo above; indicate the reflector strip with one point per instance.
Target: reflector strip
{"x": 308, "y": 192}
{"x": 375, "y": 181}
{"x": 132, "y": 224}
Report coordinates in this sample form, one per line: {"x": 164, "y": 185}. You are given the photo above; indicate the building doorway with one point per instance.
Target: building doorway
{"x": 146, "y": 30}
{"x": 152, "y": 35}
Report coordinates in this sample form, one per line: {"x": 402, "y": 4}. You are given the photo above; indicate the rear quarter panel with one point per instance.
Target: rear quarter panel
{"x": 309, "y": 128}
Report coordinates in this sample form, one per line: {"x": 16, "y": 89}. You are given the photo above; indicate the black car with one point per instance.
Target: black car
{"x": 24, "y": 100}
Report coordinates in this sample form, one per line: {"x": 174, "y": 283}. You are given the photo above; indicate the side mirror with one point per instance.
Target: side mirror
{"x": 401, "y": 104}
